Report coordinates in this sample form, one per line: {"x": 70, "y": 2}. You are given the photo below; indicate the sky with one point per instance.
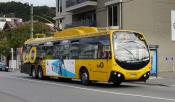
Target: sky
{"x": 50, "y": 3}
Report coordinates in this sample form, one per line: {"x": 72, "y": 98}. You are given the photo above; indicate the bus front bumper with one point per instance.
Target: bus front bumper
{"x": 117, "y": 76}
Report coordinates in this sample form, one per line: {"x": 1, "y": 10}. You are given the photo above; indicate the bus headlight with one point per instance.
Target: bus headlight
{"x": 116, "y": 76}
{"x": 145, "y": 76}
{"x": 119, "y": 75}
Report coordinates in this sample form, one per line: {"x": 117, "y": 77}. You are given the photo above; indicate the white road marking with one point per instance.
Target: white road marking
{"x": 172, "y": 85}
{"x": 93, "y": 90}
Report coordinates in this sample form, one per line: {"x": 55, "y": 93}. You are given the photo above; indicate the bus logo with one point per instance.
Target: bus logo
{"x": 101, "y": 65}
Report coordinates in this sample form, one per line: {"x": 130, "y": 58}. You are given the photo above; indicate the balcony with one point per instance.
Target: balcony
{"x": 78, "y": 5}
{"x": 81, "y": 23}
{"x": 58, "y": 17}
{"x": 111, "y": 2}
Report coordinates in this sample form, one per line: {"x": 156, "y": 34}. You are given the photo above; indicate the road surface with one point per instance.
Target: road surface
{"x": 17, "y": 87}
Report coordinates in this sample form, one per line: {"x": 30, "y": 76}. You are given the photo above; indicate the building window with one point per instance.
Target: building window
{"x": 84, "y": 19}
{"x": 60, "y": 6}
{"x": 113, "y": 15}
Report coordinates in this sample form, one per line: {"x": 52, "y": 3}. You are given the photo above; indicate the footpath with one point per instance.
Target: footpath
{"x": 163, "y": 79}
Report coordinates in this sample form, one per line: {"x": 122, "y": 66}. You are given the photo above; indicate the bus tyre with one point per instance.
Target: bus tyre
{"x": 84, "y": 77}
{"x": 34, "y": 73}
{"x": 6, "y": 70}
{"x": 117, "y": 83}
{"x": 40, "y": 73}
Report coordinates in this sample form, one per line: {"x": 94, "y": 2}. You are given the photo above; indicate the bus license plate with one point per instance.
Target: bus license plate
{"x": 133, "y": 75}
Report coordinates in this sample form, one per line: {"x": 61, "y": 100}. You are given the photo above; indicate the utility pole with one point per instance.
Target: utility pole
{"x": 31, "y": 14}
{"x": 12, "y": 61}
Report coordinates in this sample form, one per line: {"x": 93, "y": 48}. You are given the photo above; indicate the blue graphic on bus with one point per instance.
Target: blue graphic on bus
{"x": 59, "y": 68}
{"x": 56, "y": 67}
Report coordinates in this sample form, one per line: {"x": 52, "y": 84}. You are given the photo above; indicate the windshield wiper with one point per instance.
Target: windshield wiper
{"x": 145, "y": 58}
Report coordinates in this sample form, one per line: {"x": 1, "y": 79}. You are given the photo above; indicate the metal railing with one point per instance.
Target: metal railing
{"x": 70, "y": 3}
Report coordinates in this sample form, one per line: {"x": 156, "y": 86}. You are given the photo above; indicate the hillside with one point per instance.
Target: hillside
{"x": 20, "y": 10}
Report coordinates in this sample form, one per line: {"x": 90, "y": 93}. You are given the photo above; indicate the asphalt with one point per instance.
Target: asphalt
{"x": 164, "y": 78}
{"x": 17, "y": 87}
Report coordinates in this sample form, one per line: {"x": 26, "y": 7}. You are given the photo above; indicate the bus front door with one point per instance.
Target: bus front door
{"x": 101, "y": 70}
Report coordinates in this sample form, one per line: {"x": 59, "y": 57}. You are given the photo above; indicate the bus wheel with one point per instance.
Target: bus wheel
{"x": 84, "y": 77}
{"x": 40, "y": 73}
{"x": 34, "y": 73}
{"x": 117, "y": 83}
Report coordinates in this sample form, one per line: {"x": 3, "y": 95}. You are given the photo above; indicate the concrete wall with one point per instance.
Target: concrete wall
{"x": 101, "y": 13}
{"x": 138, "y": 15}
{"x": 67, "y": 16}
{"x": 152, "y": 17}
{"x": 162, "y": 30}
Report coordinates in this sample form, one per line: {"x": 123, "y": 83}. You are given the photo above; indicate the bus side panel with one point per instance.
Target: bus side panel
{"x": 99, "y": 70}
{"x": 26, "y": 68}
{"x": 43, "y": 65}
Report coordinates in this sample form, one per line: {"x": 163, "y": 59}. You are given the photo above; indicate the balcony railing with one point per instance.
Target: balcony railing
{"x": 82, "y": 23}
{"x": 70, "y": 3}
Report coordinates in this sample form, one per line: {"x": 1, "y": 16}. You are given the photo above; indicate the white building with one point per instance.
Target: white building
{"x": 3, "y": 21}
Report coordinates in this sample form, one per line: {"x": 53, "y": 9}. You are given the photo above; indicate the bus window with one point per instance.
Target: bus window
{"x": 48, "y": 48}
{"x": 89, "y": 48}
{"x": 88, "y": 51}
{"x": 104, "y": 49}
{"x": 26, "y": 48}
{"x": 130, "y": 50}
{"x": 40, "y": 51}
{"x": 61, "y": 50}
{"x": 56, "y": 50}
{"x": 74, "y": 49}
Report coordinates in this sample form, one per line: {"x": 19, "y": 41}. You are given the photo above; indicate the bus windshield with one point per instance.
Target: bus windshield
{"x": 131, "y": 51}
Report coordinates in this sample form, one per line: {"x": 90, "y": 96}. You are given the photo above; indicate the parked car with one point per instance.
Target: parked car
{"x": 3, "y": 67}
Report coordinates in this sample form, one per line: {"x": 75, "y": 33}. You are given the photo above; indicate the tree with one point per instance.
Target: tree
{"x": 15, "y": 38}
{"x": 20, "y": 10}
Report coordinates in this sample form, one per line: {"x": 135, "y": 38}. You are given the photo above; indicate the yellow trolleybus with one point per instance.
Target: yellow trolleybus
{"x": 89, "y": 54}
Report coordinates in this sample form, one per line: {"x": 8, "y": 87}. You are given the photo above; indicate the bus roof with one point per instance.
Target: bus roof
{"x": 71, "y": 33}
{"x": 79, "y": 32}
{"x": 68, "y": 34}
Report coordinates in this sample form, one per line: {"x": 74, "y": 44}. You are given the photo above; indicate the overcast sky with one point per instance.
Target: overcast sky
{"x": 50, "y": 3}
